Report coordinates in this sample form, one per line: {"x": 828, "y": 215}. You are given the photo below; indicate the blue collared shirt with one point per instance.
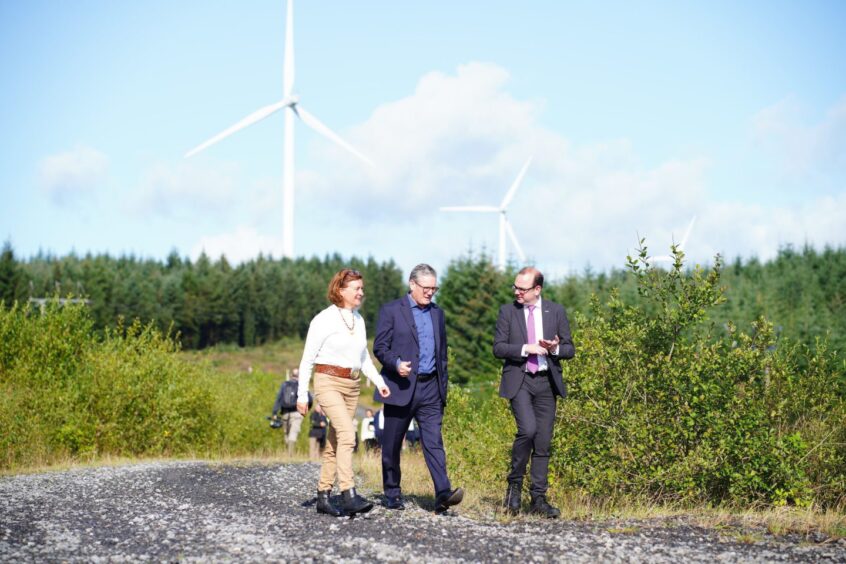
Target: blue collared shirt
{"x": 425, "y": 336}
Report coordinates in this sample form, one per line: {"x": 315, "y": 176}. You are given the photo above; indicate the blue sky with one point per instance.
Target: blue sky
{"x": 639, "y": 116}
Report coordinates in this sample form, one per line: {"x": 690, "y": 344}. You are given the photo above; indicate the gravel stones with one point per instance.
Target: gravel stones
{"x": 200, "y": 511}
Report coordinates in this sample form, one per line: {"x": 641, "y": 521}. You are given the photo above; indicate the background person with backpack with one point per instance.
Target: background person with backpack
{"x": 285, "y": 414}
{"x": 317, "y": 434}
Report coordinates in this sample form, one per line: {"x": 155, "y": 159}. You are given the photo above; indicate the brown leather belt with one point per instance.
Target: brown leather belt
{"x": 338, "y": 371}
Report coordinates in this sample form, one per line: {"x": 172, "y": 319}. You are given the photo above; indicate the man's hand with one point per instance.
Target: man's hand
{"x": 550, "y": 344}
{"x": 302, "y": 408}
{"x": 404, "y": 368}
{"x": 384, "y": 391}
{"x": 536, "y": 349}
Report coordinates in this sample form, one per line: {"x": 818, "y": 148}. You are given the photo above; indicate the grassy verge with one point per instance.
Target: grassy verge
{"x": 482, "y": 501}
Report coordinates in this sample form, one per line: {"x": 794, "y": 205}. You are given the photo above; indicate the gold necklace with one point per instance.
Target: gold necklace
{"x": 350, "y": 328}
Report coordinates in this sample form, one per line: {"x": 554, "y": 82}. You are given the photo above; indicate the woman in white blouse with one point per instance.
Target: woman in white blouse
{"x": 336, "y": 354}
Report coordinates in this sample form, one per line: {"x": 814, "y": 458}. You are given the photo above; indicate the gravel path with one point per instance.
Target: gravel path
{"x": 198, "y": 511}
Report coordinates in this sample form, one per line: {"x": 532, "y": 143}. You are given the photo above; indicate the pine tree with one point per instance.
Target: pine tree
{"x": 11, "y": 277}
{"x": 472, "y": 292}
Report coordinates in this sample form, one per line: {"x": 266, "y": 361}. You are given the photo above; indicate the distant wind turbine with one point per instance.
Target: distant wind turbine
{"x": 504, "y": 225}
{"x": 290, "y": 103}
{"x": 680, "y": 246}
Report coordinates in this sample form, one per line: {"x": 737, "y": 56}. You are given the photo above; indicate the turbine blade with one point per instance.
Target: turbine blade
{"x": 687, "y": 233}
{"x": 318, "y": 126}
{"x": 513, "y": 190}
{"x": 288, "y": 71}
{"x": 469, "y": 209}
{"x": 513, "y": 238}
{"x": 246, "y": 122}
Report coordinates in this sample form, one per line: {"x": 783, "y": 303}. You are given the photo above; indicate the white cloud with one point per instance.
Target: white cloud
{"x": 238, "y": 246}
{"x": 736, "y": 229}
{"x": 169, "y": 190}
{"x": 801, "y": 147}
{"x": 73, "y": 174}
{"x": 450, "y": 137}
{"x": 461, "y": 139}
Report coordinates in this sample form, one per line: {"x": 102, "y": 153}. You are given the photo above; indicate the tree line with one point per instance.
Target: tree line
{"x": 209, "y": 302}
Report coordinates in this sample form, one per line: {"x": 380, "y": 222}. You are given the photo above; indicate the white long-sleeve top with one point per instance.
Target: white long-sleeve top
{"x": 329, "y": 342}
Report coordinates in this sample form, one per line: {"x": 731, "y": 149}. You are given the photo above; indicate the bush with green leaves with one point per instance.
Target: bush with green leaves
{"x": 665, "y": 405}
{"x": 67, "y": 391}
{"x": 478, "y": 430}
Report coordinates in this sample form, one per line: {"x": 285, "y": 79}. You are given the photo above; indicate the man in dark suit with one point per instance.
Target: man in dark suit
{"x": 532, "y": 337}
{"x": 412, "y": 347}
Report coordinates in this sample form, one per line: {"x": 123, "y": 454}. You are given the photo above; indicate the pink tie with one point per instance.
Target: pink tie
{"x": 532, "y": 360}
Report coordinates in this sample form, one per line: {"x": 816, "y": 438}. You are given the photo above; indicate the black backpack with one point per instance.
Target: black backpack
{"x": 288, "y": 395}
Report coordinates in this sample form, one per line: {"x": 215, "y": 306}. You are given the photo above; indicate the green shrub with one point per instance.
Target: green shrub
{"x": 664, "y": 406}
{"x": 68, "y": 392}
{"x": 478, "y": 431}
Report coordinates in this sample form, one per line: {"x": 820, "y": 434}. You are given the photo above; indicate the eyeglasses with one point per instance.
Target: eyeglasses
{"x": 520, "y": 290}
{"x": 427, "y": 289}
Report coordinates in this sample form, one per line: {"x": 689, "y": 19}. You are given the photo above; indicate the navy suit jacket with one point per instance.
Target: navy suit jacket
{"x": 511, "y": 335}
{"x": 396, "y": 338}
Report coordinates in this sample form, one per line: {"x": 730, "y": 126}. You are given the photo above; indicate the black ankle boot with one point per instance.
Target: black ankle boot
{"x": 325, "y": 506}
{"x": 541, "y": 507}
{"x": 512, "y": 498}
{"x": 354, "y": 503}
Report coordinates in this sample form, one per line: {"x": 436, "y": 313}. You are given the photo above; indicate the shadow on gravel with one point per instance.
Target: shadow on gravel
{"x": 426, "y": 502}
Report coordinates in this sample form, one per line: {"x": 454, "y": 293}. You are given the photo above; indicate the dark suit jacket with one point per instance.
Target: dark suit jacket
{"x": 511, "y": 336}
{"x": 396, "y": 337}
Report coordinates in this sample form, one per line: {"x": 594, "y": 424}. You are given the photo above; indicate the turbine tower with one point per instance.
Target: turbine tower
{"x": 290, "y": 104}
{"x": 502, "y": 210}
{"x": 680, "y": 246}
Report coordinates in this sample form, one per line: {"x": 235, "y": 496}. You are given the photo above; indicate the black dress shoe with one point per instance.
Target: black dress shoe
{"x": 325, "y": 506}
{"x": 541, "y": 507}
{"x": 512, "y": 498}
{"x": 394, "y": 502}
{"x": 447, "y": 499}
{"x": 354, "y": 503}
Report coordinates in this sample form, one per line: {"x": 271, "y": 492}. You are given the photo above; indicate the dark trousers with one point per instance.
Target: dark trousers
{"x": 427, "y": 409}
{"x": 534, "y": 410}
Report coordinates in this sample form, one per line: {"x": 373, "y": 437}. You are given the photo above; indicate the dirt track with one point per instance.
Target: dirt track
{"x": 197, "y": 511}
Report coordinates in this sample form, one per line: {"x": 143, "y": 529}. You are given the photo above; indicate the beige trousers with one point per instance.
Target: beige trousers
{"x": 338, "y": 397}
{"x": 291, "y": 423}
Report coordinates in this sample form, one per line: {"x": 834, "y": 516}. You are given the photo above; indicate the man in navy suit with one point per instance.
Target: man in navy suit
{"x": 532, "y": 337}
{"x": 412, "y": 347}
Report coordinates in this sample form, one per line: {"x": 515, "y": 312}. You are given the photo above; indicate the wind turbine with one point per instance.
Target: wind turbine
{"x": 680, "y": 246}
{"x": 290, "y": 104}
{"x": 504, "y": 225}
